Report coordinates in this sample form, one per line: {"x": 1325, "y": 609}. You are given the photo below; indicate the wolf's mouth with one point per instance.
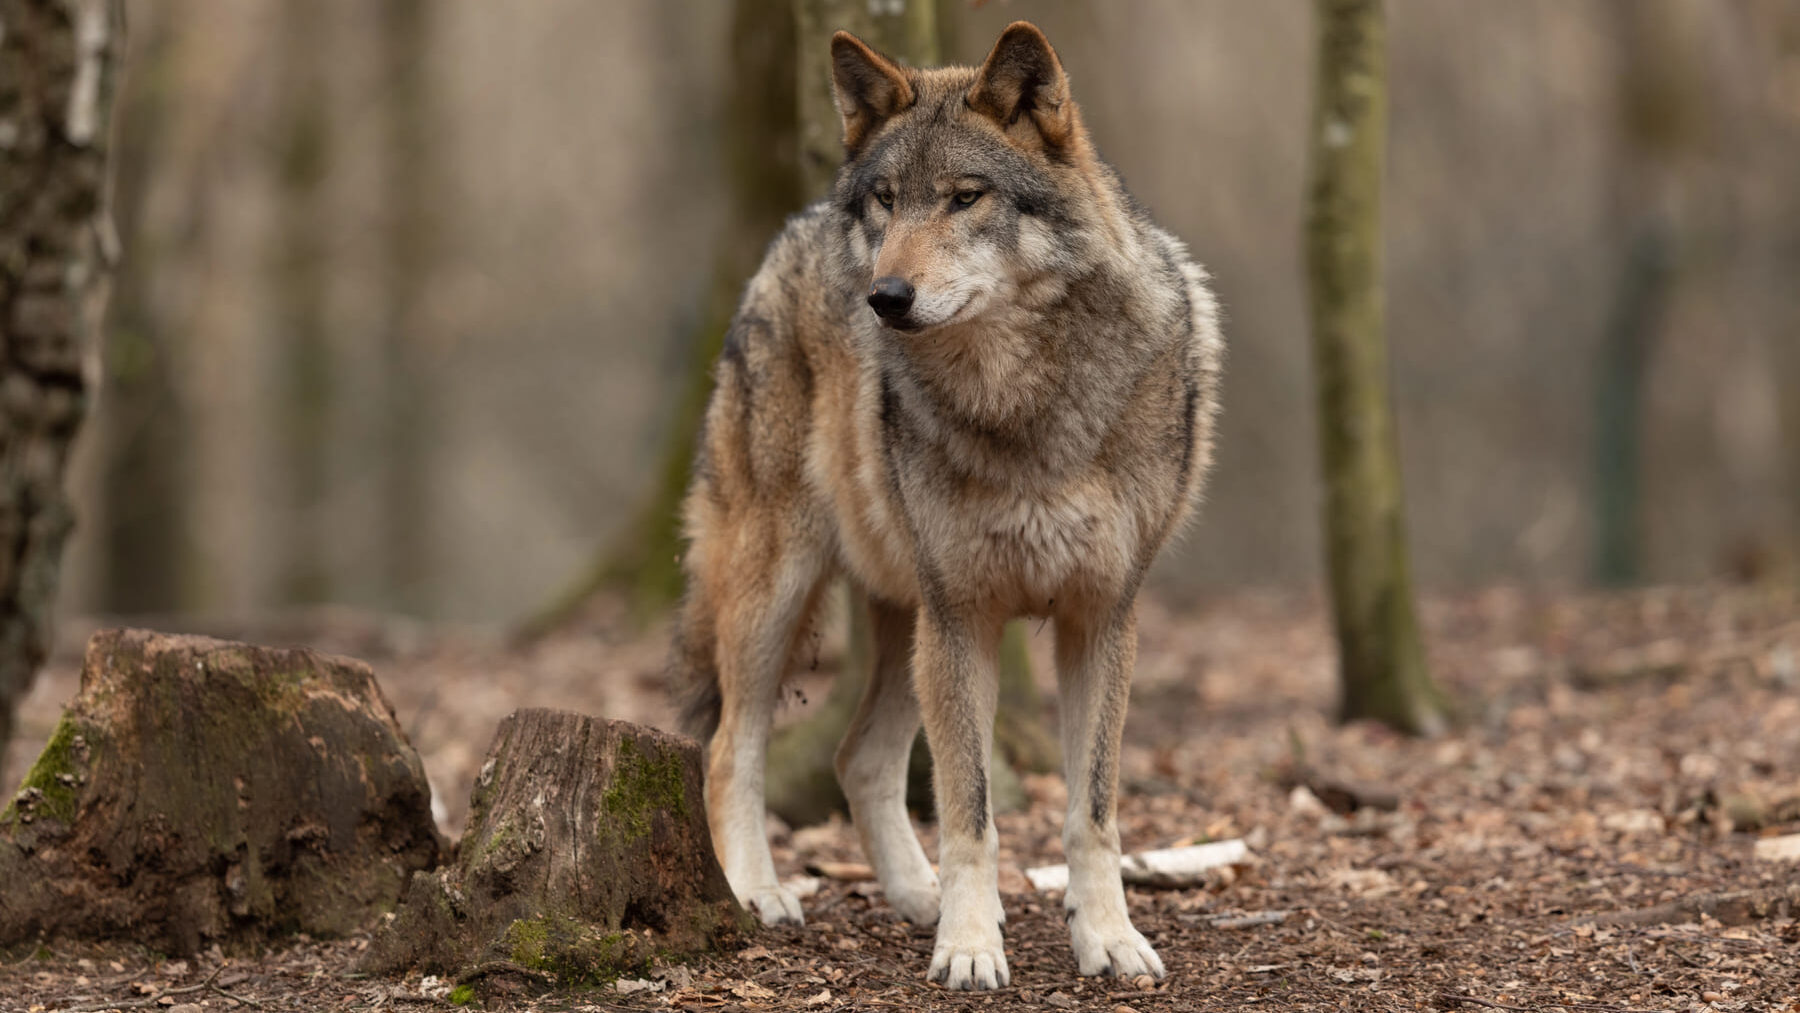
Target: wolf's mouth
{"x": 908, "y": 325}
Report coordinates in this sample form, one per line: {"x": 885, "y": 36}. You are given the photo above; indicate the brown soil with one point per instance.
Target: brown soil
{"x": 1618, "y": 753}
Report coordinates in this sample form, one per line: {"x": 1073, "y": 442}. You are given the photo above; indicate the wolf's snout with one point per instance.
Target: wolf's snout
{"x": 891, "y": 297}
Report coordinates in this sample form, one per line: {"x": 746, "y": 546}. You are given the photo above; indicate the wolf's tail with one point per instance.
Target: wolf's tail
{"x": 693, "y": 673}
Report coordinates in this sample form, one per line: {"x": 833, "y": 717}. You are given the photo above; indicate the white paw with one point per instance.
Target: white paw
{"x": 973, "y": 960}
{"x": 1108, "y": 945}
{"x": 775, "y": 905}
{"x": 917, "y": 904}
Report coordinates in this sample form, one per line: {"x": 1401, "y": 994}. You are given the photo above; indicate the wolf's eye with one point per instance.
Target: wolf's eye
{"x": 967, "y": 197}
{"x": 885, "y": 199}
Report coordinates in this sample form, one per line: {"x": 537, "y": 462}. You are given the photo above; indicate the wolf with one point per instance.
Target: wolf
{"x": 978, "y": 383}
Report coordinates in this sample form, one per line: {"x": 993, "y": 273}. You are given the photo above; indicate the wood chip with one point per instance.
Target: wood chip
{"x": 1168, "y": 868}
{"x": 1778, "y": 849}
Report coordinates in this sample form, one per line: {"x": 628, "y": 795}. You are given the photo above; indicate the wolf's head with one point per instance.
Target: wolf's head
{"x": 965, "y": 188}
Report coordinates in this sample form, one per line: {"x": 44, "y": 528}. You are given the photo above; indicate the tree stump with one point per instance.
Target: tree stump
{"x": 587, "y": 857}
{"x": 199, "y": 790}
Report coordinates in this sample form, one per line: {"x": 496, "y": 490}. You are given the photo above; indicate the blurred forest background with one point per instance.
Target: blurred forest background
{"x": 411, "y": 288}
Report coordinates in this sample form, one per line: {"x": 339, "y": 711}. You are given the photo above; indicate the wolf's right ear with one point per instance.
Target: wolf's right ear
{"x": 870, "y": 88}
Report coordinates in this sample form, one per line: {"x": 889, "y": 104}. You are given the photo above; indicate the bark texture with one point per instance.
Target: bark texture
{"x": 199, "y": 790}
{"x": 58, "y": 65}
{"x": 1381, "y": 660}
{"x": 587, "y": 855}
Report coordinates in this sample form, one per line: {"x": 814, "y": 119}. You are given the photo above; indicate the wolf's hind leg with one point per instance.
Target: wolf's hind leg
{"x": 872, "y": 767}
{"x": 1095, "y": 654}
{"x": 760, "y": 610}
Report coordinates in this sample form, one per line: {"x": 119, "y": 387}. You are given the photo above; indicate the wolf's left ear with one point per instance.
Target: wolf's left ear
{"x": 870, "y": 88}
{"x": 1023, "y": 78}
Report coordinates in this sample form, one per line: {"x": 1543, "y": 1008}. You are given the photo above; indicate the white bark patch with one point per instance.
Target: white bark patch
{"x": 92, "y": 30}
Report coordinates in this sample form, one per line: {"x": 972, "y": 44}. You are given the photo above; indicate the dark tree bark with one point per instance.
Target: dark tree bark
{"x": 58, "y": 67}
{"x": 1381, "y": 659}
{"x": 587, "y": 856}
{"x": 199, "y": 790}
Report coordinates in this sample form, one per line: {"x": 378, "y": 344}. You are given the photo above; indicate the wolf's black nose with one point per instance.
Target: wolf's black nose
{"x": 890, "y": 297}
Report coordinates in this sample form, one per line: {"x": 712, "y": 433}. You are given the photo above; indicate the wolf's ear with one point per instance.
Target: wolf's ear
{"x": 1023, "y": 78}
{"x": 870, "y": 88}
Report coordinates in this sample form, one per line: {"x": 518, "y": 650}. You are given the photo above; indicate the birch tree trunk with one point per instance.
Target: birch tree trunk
{"x": 59, "y": 66}
{"x": 1381, "y": 660}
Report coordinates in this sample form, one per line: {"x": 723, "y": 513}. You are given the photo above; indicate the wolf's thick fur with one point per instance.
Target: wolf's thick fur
{"x": 1017, "y": 432}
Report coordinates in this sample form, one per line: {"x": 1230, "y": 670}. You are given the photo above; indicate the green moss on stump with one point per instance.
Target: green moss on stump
{"x": 573, "y": 953}
{"x": 462, "y": 995}
{"x": 641, "y": 787}
{"x": 51, "y": 789}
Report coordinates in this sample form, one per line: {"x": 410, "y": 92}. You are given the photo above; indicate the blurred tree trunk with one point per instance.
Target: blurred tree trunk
{"x": 758, "y": 152}
{"x": 303, "y": 158}
{"x": 1381, "y": 660}
{"x": 1657, "y": 122}
{"x": 1637, "y": 310}
{"x": 409, "y": 195}
{"x": 801, "y": 786}
{"x": 58, "y": 67}
{"x": 141, "y": 420}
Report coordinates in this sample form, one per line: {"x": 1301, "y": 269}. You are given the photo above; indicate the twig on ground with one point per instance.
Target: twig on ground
{"x": 233, "y": 996}
{"x": 1734, "y": 908}
{"x": 1472, "y": 1001}
{"x": 1248, "y": 921}
{"x": 843, "y": 872}
{"x": 148, "y": 1000}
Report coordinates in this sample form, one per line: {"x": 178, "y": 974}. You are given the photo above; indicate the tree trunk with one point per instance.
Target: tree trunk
{"x": 140, "y": 441}
{"x": 198, "y": 791}
{"x": 906, "y": 30}
{"x": 1619, "y": 395}
{"x": 587, "y": 856}
{"x": 1659, "y": 119}
{"x": 759, "y": 155}
{"x": 58, "y": 68}
{"x": 1381, "y": 661}
{"x": 410, "y": 197}
{"x": 303, "y": 158}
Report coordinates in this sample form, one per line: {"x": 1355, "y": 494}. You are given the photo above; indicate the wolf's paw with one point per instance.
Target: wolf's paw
{"x": 972, "y": 964}
{"x": 1109, "y": 946}
{"x": 916, "y": 903}
{"x": 775, "y": 905}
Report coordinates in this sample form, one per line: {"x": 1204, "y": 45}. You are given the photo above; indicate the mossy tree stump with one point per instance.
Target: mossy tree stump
{"x": 587, "y": 858}
{"x": 199, "y": 790}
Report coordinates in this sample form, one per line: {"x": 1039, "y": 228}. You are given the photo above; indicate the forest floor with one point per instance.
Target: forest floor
{"x": 1618, "y": 753}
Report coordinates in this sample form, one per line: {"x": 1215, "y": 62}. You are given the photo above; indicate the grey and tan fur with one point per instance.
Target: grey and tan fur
{"x": 979, "y": 383}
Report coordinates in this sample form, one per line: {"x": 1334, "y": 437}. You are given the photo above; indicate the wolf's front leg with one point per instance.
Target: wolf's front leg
{"x": 1096, "y": 651}
{"x": 955, "y": 678}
